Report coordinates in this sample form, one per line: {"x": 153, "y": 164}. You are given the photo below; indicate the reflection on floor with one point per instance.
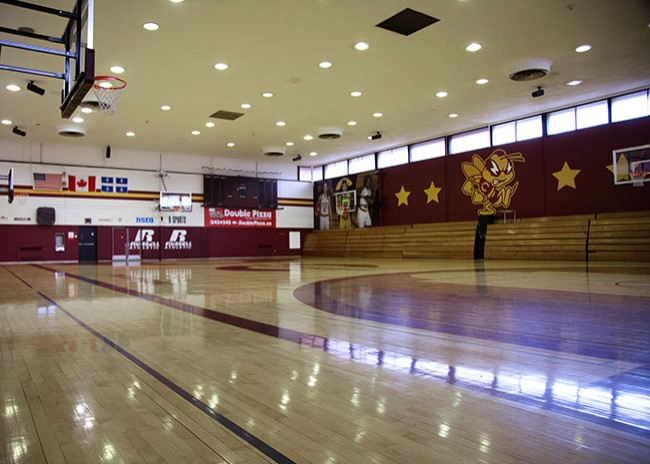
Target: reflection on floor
{"x": 322, "y": 360}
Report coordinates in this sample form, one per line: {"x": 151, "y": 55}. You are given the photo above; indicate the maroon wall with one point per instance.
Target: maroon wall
{"x": 36, "y": 243}
{"x": 537, "y": 194}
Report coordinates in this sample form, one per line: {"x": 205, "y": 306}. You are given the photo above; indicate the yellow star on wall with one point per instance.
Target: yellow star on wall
{"x": 566, "y": 177}
{"x": 402, "y": 197}
{"x": 432, "y": 193}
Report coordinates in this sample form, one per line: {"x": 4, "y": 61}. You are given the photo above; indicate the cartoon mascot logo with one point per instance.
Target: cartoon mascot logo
{"x": 490, "y": 183}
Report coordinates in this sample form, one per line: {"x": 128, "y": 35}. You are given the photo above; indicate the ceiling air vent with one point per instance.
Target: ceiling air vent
{"x": 529, "y": 69}
{"x": 227, "y": 115}
{"x": 407, "y": 22}
{"x": 329, "y": 133}
{"x": 72, "y": 132}
{"x": 273, "y": 151}
{"x": 526, "y": 75}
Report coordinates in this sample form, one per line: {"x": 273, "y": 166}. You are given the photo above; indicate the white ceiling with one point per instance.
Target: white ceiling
{"x": 276, "y": 45}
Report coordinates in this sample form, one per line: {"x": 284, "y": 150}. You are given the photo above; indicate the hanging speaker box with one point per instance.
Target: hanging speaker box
{"x": 45, "y": 216}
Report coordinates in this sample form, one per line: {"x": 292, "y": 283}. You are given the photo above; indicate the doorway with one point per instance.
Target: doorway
{"x": 87, "y": 244}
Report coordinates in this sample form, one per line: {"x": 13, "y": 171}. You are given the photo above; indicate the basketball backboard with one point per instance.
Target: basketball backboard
{"x": 631, "y": 165}
{"x": 73, "y": 47}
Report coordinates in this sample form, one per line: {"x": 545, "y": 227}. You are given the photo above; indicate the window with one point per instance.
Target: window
{"x": 593, "y": 114}
{"x": 529, "y": 128}
{"x": 338, "y": 169}
{"x": 504, "y": 133}
{"x": 317, "y": 174}
{"x": 561, "y": 121}
{"x": 361, "y": 164}
{"x": 427, "y": 150}
{"x": 469, "y": 141}
{"x": 392, "y": 157}
{"x": 304, "y": 173}
{"x": 630, "y": 106}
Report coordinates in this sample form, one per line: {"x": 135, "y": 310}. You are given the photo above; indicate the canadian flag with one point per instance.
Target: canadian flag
{"x": 81, "y": 183}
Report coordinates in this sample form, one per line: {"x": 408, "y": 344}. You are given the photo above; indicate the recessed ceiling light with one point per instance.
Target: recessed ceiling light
{"x": 574, "y": 82}
{"x": 117, "y": 69}
{"x": 220, "y": 66}
{"x": 78, "y": 119}
{"x": 583, "y": 48}
{"x": 377, "y": 114}
{"x": 308, "y": 137}
{"x": 151, "y": 26}
{"x": 6, "y": 122}
{"x": 281, "y": 123}
{"x": 176, "y": 1}
{"x": 209, "y": 124}
{"x": 267, "y": 94}
{"x": 13, "y": 88}
{"x": 86, "y": 110}
{"x": 195, "y": 132}
{"x": 482, "y": 81}
{"x": 313, "y": 153}
{"x": 130, "y": 134}
{"x": 325, "y": 64}
{"x": 230, "y": 144}
{"x": 473, "y": 47}
{"x": 442, "y": 94}
{"x": 352, "y": 123}
{"x": 246, "y": 106}
{"x": 361, "y": 46}
{"x": 165, "y": 107}
{"x": 453, "y": 115}
{"x": 289, "y": 144}
{"x": 356, "y": 93}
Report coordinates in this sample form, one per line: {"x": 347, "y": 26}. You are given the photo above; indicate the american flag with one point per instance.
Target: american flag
{"x": 48, "y": 181}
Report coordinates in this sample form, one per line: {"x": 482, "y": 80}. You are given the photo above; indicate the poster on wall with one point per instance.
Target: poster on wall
{"x": 348, "y": 202}
{"x": 235, "y": 217}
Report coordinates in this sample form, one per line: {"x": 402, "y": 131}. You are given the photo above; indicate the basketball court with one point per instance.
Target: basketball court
{"x": 324, "y": 360}
{"x": 313, "y": 360}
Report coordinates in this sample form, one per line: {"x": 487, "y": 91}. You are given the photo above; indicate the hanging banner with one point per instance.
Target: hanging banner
{"x": 234, "y": 217}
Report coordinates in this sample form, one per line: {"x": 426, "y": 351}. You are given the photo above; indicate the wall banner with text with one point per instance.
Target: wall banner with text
{"x": 233, "y": 217}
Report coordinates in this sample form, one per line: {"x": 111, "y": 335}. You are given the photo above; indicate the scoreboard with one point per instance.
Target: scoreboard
{"x": 240, "y": 192}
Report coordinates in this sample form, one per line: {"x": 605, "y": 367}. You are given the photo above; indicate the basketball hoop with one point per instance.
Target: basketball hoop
{"x": 108, "y": 89}
{"x": 637, "y": 177}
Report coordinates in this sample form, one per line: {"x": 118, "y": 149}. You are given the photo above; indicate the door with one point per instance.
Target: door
{"x": 87, "y": 244}
{"x": 123, "y": 239}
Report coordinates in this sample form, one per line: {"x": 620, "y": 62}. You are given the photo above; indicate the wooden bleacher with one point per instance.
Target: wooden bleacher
{"x": 381, "y": 242}
{"x": 603, "y": 237}
{"x": 330, "y": 243}
{"x": 449, "y": 240}
{"x": 553, "y": 237}
{"x": 442, "y": 240}
{"x": 620, "y": 237}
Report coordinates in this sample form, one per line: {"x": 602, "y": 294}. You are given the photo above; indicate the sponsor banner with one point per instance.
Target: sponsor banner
{"x": 176, "y": 242}
{"x": 233, "y": 217}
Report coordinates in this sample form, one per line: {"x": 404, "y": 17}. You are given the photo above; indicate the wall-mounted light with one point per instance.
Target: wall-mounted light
{"x": 35, "y": 88}
{"x": 376, "y": 136}
{"x": 17, "y": 131}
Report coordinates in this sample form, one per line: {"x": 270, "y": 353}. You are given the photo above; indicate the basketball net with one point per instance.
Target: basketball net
{"x": 108, "y": 90}
{"x": 637, "y": 177}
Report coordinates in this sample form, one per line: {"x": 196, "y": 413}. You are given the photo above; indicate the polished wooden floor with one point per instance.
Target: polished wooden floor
{"x": 325, "y": 361}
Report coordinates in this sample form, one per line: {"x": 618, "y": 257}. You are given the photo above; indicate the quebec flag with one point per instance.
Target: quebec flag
{"x": 121, "y": 185}
{"x": 115, "y": 184}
